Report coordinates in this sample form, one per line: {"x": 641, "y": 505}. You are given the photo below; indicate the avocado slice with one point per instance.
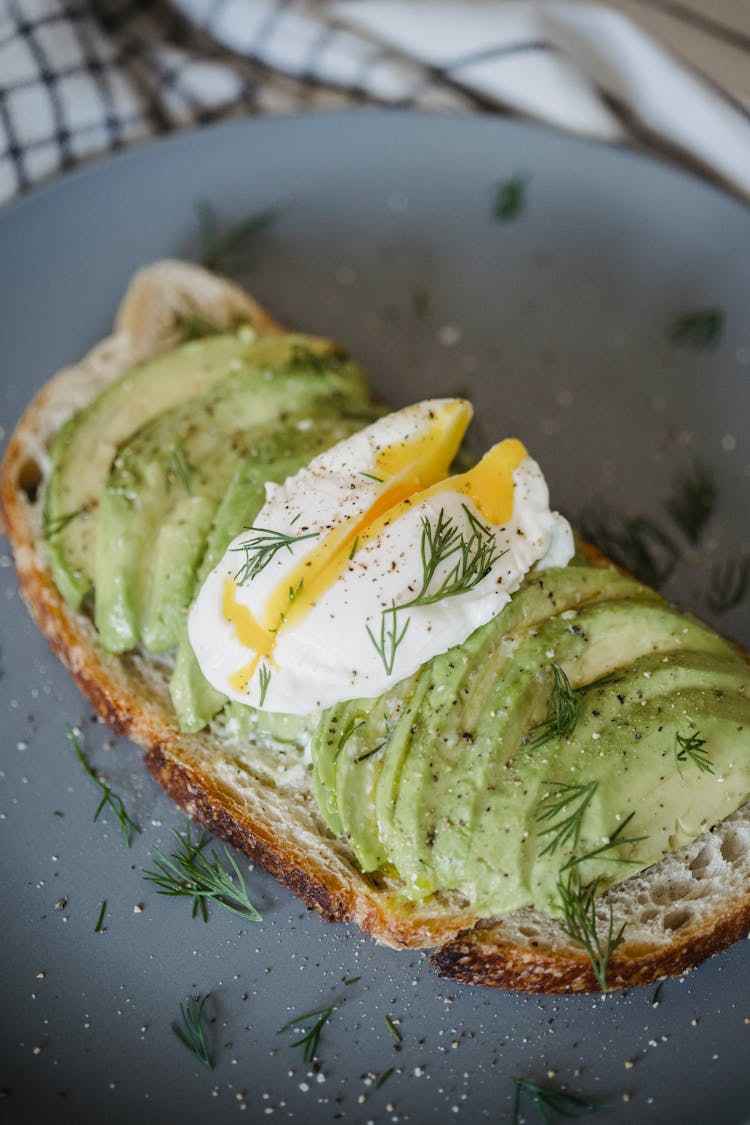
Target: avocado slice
{"x": 212, "y": 433}
{"x": 481, "y": 829}
{"x": 86, "y": 445}
{"x": 346, "y": 782}
{"x": 454, "y": 793}
{"x": 630, "y": 730}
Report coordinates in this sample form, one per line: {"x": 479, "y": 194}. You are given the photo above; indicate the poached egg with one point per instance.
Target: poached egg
{"x": 370, "y": 561}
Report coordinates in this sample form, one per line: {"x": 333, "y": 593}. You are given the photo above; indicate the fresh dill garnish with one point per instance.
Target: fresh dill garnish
{"x": 578, "y": 902}
{"x": 371, "y": 476}
{"x": 689, "y": 747}
{"x": 352, "y": 980}
{"x": 657, "y": 994}
{"x": 353, "y": 551}
{"x": 393, "y": 1029}
{"x": 563, "y": 706}
{"x": 183, "y": 859}
{"x": 633, "y": 542}
{"x": 100, "y": 918}
{"x": 386, "y": 645}
{"x": 262, "y": 547}
{"x": 53, "y": 527}
{"x": 548, "y": 1099}
{"x": 311, "y": 1038}
{"x": 729, "y": 583}
{"x": 220, "y": 247}
{"x": 477, "y": 553}
{"x": 698, "y": 329}
{"x": 381, "y": 1078}
{"x": 692, "y": 501}
{"x": 109, "y": 799}
{"x": 510, "y": 197}
{"x": 347, "y": 733}
{"x": 264, "y": 675}
{"x": 189, "y": 873}
{"x": 569, "y": 803}
{"x": 294, "y": 593}
{"x": 179, "y": 469}
{"x": 617, "y": 839}
{"x": 192, "y": 1034}
{"x": 369, "y": 753}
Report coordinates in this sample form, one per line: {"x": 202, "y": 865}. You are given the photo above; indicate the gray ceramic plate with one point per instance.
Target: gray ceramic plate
{"x": 604, "y": 321}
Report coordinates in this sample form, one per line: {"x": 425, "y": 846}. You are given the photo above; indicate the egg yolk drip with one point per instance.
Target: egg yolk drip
{"x": 411, "y": 472}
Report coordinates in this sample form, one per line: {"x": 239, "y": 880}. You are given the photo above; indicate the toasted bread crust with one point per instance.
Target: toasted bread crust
{"x": 525, "y": 952}
{"x": 483, "y": 956}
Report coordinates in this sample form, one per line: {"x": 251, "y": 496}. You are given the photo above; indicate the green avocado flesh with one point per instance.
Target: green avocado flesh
{"x": 581, "y": 734}
{"x": 448, "y": 780}
{"x": 162, "y": 470}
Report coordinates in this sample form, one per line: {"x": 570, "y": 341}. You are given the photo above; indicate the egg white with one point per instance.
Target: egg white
{"x": 330, "y": 653}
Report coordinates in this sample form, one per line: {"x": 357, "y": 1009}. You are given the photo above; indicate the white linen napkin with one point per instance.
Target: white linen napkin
{"x": 77, "y": 81}
{"x": 579, "y": 66}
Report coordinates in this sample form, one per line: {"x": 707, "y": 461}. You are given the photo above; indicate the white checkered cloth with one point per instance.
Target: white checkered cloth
{"x": 79, "y": 79}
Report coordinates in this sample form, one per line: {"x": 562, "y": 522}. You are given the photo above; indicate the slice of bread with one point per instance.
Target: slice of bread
{"x": 693, "y": 903}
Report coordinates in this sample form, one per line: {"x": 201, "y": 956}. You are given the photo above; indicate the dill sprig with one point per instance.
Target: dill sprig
{"x": 262, "y": 548}
{"x": 178, "y": 468}
{"x": 347, "y": 733}
{"x": 563, "y": 706}
{"x": 510, "y": 197}
{"x": 383, "y": 1078}
{"x": 633, "y": 542}
{"x": 729, "y": 583}
{"x": 311, "y": 1038}
{"x": 220, "y": 247}
{"x": 692, "y": 501}
{"x": 548, "y": 1099}
{"x": 53, "y": 527}
{"x": 100, "y": 917}
{"x": 264, "y": 675}
{"x": 689, "y": 747}
{"x": 569, "y": 804}
{"x": 109, "y": 799}
{"x": 617, "y": 839}
{"x": 698, "y": 329}
{"x": 189, "y": 873}
{"x": 393, "y": 1029}
{"x": 370, "y": 753}
{"x": 192, "y": 1034}
{"x": 390, "y": 637}
{"x": 578, "y": 902}
{"x": 477, "y": 553}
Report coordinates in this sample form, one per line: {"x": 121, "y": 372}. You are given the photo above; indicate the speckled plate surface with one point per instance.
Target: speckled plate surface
{"x": 602, "y": 316}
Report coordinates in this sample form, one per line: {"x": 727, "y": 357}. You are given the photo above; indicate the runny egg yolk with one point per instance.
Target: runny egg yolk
{"x": 410, "y": 472}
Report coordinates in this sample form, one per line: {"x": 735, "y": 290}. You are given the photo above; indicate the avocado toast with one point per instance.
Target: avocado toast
{"x": 247, "y": 776}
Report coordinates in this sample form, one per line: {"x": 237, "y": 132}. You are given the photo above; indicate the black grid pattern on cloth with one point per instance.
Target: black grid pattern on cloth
{"x": 82, "y": 78}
